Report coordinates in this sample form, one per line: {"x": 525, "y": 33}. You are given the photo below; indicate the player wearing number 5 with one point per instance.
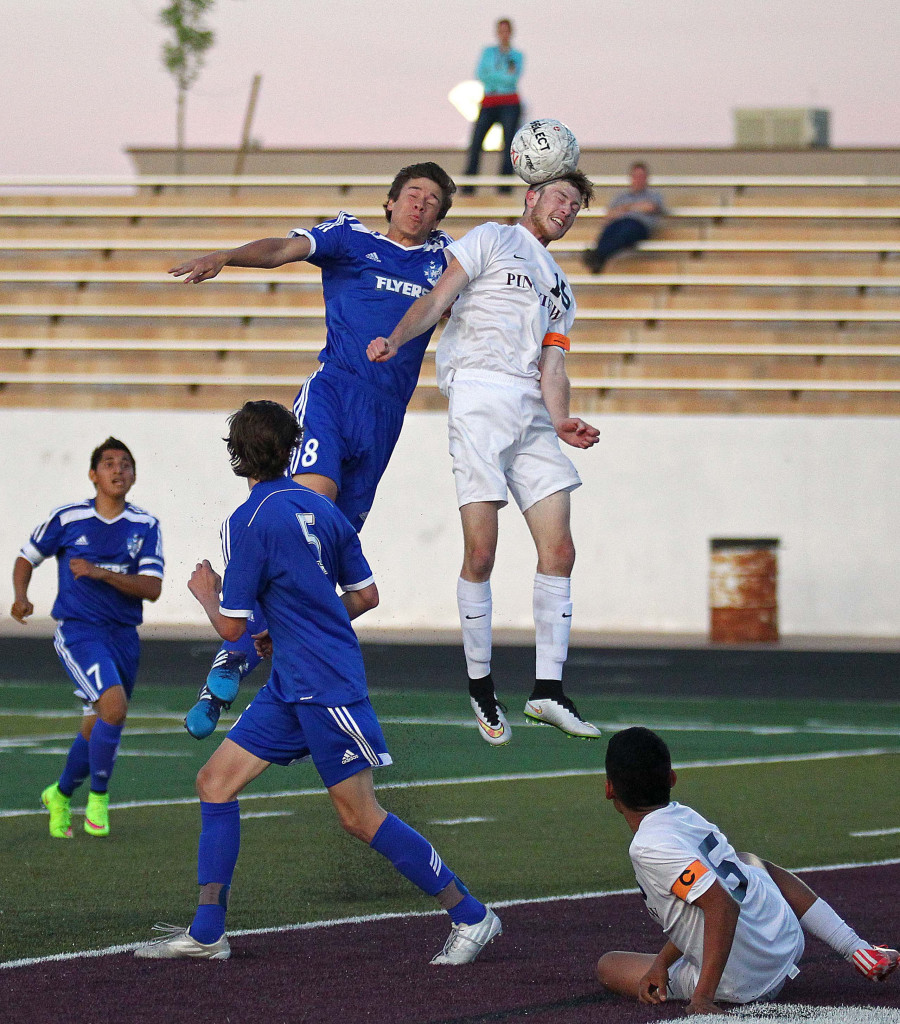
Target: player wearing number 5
{"x": 501, "y": 360}
{"x": 350, "y": 411}
{"x": 288, "y": 547}
{"x": 734, "y": 923}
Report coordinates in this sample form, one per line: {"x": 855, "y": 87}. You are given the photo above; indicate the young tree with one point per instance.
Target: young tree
{"x": 184, "y": 56}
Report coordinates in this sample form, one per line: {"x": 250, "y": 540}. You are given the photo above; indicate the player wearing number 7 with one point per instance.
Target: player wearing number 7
{"x": 289, "y": 547}
{"x": 109, "y": 561}
{"x": 734, "y": 923}
{"x": 501, "y": 361}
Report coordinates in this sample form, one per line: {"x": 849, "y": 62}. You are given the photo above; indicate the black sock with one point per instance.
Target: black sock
{"x": 547, "y": 688}
{"x": 481, "y": 688}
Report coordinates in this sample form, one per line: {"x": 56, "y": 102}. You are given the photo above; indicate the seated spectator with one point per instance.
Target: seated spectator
{"x": 633, "y": 216}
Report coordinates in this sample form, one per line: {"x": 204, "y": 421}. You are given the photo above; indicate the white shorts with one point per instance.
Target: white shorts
{"x": 684, "y": 975}
{"x": 501, "y": 437}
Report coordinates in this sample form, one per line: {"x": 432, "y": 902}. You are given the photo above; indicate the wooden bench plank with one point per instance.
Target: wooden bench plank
{"x": 582, "y": 384}
{"x": 325, "y": 211}
{"x": 270, "y": 312}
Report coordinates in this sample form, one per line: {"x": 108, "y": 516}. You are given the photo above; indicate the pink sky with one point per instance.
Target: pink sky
{"x": 82, "y": 79}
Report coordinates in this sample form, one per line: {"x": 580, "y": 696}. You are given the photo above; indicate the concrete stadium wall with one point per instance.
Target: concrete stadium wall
{"x": 656, "y": 489}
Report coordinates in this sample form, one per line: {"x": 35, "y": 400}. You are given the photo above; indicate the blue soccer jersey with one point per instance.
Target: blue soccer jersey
{"x": 129, "y": 544}
{"x": 369, "y": 282}
{"x": 288, "y": 548}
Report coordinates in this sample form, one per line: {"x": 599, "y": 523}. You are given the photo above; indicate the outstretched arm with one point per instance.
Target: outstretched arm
{"x": 266, "y": 253}
{"x": 422, "y": 314}
{"x": 555, "y": 392}
{"x": 21, "y": 606}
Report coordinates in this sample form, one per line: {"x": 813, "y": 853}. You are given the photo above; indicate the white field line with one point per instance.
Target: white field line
{"x": 63, "y": 751}
{"x": 459, "y": 821}
{"x": 809, "y": 729}
{"x": 566, "y": 773}
{"x": 876, "y": 832}
{"x": 366, "y": 918}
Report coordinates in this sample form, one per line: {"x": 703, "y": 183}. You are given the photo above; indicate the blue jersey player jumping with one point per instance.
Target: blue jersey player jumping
{"x": 288, "y": 547}
{"x": 109, "y": 558}
{"x": 350, "y": 410}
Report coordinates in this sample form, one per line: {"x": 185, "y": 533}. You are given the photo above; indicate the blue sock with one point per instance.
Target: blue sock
{"x": 468, "y": 910}
{"x": 412, "y": 855}
{"x": 217, "y": 854}
{"x": 246, "y": 646}
{"x": 77, "y": 766}
{"x": 208, "y": 925}
{"x": 102, "y": 749}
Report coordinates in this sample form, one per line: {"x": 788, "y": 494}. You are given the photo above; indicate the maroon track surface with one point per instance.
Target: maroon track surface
{"x": 540, "y": 971}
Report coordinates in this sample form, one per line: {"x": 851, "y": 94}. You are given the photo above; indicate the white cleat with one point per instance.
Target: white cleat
{"x": 562, "y": 714}
{"x": 466, "y": 941}
{"x": 177, "y": 944}
{"x": 492, "y": 724}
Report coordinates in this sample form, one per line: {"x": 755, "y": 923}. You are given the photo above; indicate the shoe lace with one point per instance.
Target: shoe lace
{"x": 452, "y": 939}
{"x": 569, "y": 705}
{"x": 206, "y": 694}
{"x": 167, "y": 930}
{"x": 489, "y": 706}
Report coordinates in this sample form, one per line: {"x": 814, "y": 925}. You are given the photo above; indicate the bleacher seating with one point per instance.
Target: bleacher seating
{"x": 760, "y": 294}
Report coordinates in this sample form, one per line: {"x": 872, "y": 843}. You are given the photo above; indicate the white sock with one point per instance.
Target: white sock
{"x": 475, "y": 608}
{"x": 552, "y": 624}
{"x": 822, "y": 921}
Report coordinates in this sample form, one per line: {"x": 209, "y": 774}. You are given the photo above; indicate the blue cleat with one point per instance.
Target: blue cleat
{"x": 203, "y": 717}
{"x": 224, "y": 679}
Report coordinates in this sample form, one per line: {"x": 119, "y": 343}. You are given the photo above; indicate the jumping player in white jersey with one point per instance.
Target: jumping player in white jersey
{"x": 734, "y": 923}
{"x": 288, "y": 547}
{"x": 110, "y": 560}
{"x": 501, "y": 361}
{"x": 350, "y": 410}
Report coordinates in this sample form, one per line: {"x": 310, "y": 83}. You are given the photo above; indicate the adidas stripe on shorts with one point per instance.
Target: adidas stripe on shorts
{"x": 340, "y": 741}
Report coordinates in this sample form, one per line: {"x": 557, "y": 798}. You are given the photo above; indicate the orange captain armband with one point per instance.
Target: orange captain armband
{"x": 557, "y": 340}
{"x": 682, "y": 885}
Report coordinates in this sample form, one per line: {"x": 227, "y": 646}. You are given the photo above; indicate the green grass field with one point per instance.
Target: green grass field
{"x": 789, "y": 779}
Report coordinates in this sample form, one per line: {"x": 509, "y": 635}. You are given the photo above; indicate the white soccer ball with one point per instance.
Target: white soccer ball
{"x": 544, "y": 149}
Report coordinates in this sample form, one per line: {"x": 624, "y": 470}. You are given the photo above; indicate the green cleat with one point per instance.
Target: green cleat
{"x": 60, "y": 814}
{"x": 96, "y": 814}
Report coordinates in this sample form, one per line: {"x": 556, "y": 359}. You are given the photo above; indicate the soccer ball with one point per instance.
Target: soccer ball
{"x": 543, "y": 149}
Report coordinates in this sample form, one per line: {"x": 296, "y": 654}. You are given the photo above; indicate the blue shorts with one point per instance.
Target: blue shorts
{"x": 340, "y": 741}
{"x": 349, "y": 429}
{"x": 98, "y": 657}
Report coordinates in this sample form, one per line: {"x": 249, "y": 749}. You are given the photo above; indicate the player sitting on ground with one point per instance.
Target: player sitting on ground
{"x": 288, "y": 547}
{"x": 110, "y": 560}
{"x": 350, "y": 410}
{"x": 734, "y": 922}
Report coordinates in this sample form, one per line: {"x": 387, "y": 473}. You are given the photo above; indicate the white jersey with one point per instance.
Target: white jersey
{"x": 515, "y": 296}
{"x": 677, "y": 855}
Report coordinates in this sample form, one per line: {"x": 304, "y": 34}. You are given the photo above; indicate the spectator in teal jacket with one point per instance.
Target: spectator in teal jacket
{"x": 498, "y": 71}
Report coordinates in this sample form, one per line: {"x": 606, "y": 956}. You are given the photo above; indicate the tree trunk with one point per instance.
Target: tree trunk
{"x": 179, "y": 131}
